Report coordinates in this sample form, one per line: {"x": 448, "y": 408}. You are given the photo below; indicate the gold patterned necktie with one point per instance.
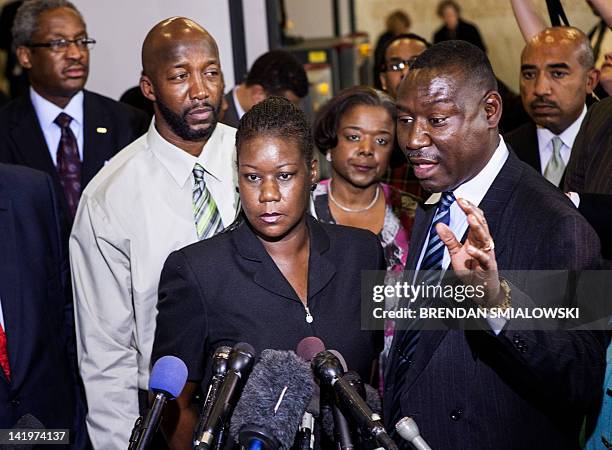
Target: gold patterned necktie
{"x": 207, "y": 217}
{"x": 555, "y": 167}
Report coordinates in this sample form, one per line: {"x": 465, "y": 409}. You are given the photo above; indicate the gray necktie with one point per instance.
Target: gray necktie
{"x": 555, "y": 167}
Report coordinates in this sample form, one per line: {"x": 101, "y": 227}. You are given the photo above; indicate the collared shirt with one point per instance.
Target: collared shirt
{"x": 47, "y": 112}
{"x": 132, "y": 215}
{"x": 239, "y": 111}
{"x": 545, "y": 137}
{"x": 474, "y": 191}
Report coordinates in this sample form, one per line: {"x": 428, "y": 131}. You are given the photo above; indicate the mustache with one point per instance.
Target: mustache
{"x": 543, "y": 102}
{"x": 421, "y": 154}
{"x": 200, "y": 105}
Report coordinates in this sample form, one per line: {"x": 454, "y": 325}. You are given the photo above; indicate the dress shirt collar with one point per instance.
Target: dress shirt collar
{"x": 239, "y": 111}
{"x": 180, "y": 163}
{"x": 475, "y": 189}
{"x": 47, "y": 111}
{"x": 568, "y": 136}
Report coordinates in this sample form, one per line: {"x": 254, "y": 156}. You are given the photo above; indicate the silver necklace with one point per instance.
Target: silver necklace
{"x": 344, "y": 208}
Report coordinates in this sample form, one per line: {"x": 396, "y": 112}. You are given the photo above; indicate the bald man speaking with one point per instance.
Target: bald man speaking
{"x": 172, "y": 187}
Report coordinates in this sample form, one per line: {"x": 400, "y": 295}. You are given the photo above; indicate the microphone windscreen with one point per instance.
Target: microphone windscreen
{"x": 168, "y": 375}
{"x": 338, "y": 355}
{"x": 309, "y": 347}
{"x": 264, "y": 405}
{"x": 373, "y": 399}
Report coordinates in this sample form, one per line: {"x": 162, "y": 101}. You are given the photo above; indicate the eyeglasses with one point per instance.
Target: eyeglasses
{"x": 61, "y": 45}
{"x": 398, "y": 66}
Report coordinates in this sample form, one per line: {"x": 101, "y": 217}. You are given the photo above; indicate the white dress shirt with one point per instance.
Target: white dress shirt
{"x": 474, "y": 191}
{"x": 132, "y": 215}
{"x": 47, "y": 112}
{"x": 239, "y": 111}
{"x": 568, "y": 136}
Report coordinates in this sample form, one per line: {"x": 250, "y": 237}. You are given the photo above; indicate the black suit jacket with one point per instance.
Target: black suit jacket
{"x": 22, "y": 141}
{"x": 37, "y": 306}
{"x": 524, "y": 142}
{"x": 519, "y": 389}
{"x": 227, "y": 289}
{"x": 231, "y": 115}
{"x": 589, "y": 171}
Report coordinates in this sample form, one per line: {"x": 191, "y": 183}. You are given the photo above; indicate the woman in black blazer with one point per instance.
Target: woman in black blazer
{"x": 276, "y": 277}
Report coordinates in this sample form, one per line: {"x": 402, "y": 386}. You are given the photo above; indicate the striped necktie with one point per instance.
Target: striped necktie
{"x": 555, "y": 167}
{"x": 429, "y": 273}
{"x": 207, "y": 217}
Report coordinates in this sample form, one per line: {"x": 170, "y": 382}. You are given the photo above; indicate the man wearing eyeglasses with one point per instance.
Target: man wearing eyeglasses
{"x": 59, "y": 127}
{"x": 399, "y": 53}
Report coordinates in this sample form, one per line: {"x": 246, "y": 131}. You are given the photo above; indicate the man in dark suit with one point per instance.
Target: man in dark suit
{"x": 39, "y": 375}
{"x": 58, "y": 127}
{"x": 589, "y": 169}
{"x": 557, "y": 74}
{"x": 276, "y": 72}
{"x": 494, "y": 386}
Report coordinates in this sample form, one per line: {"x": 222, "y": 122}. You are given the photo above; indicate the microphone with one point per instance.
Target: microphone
{"x": 219, "y": 369}
{"x": 25, "y": 422}
{"x": 408, "y": 430}
{"x": 273, "y": 402}
{"x": 239, "y": 365}
{"x": 306, "y": 349}
{"x": 167, "y": 380}
{"x": 337, "y": 426}
{"x": 328, "y": 369}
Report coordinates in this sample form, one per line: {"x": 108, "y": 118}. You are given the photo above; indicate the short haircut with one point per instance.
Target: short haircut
{"x": 276, "y": 117}
{"x": 278, "y": 71}
{"x": 445, "y": 4}
{"x": 329, "y": 116}
{"x": 399, "y": 16}
{"x": 399, "y": 37}
{"x": 460, "y": 56}
{"x": 26, "y": 18}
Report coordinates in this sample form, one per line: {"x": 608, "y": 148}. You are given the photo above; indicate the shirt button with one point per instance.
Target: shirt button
{"x": 15, "y": 402}
{"x": 456, "y": 414}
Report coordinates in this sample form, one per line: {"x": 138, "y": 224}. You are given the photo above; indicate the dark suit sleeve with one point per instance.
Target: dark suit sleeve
{"x": 561, "y": 365}
{"x": 577, "y": 165}
{"x": 182, "y": 319}
{"x": 597, "y": 210}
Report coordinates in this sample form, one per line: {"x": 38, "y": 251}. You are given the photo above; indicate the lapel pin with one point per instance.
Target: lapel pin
{"x": 101, "y": 130}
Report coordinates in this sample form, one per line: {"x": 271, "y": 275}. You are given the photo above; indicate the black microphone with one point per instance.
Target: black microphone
{"x": 219, "y": 369}
{"x": 167, "y": 380}
{"x": 329, "y": 371}
{"x": 306, "y": 349}
{"x": 239, "y": 365}
{"x": 273, "y": 402}
{"x": 334, "y": 423}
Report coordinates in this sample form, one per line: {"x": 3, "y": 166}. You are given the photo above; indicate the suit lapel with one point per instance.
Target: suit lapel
{"x": 9, "y": 285}
{"x": 97, "y": 142}
{"x": 29, "y": 140}
{"x": 267, "y": 274}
